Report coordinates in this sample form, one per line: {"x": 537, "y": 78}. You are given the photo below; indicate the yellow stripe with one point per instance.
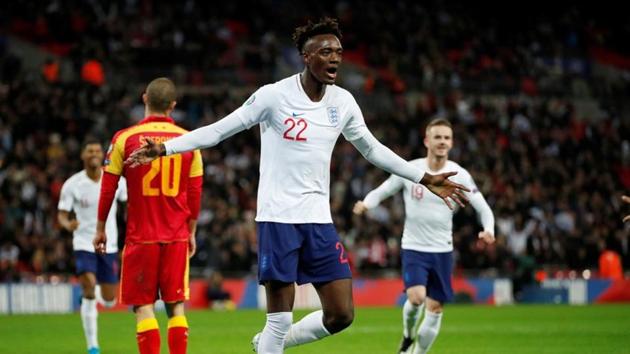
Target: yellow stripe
{"x": 196, "y": 168}
{"x": 177, "y": 321}
{"x": 146, "y": 325}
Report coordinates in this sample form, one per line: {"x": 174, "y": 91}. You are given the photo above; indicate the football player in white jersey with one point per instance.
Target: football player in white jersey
{"x": 80, "y": 194}
{"x": 427, "y": 240}
{"x": 301, "y": 118}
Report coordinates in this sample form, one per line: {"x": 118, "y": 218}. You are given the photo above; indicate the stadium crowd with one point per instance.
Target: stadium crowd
{"x": 537, "y": 115}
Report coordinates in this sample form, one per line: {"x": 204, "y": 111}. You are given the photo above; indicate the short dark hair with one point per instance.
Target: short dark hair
{"x": 439, "y": 121}
{"x": 90, "y": 141}
{"x": 160, "y": 94}
{"x": 326, "y": 25}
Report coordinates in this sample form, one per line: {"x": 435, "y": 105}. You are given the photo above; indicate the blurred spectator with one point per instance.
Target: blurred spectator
{"x": 218, "y": 298}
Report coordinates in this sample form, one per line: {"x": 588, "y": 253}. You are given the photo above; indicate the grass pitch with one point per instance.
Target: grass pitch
{"x": 465, "y": 329}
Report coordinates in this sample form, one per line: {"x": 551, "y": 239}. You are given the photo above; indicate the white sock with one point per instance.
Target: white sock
{"x": 272, "y": 336}
{"x": 109, "y": 304}
{"x": 429, "y": 329}
{"x": 410, "y": 313}
{"x": 308, "y": 329}
{"x": 89, "y": 317}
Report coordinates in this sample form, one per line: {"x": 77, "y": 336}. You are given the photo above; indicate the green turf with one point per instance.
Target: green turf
{"x": 465, "y": 329}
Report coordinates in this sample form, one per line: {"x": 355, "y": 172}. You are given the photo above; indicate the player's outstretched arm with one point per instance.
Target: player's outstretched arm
{"x": 627, "y": 200}
{"x": 382, "y": 157}
{"x": 200, "y": 138}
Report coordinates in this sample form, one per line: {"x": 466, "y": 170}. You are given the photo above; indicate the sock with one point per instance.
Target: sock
{"x": 308, "y": 329}
{"x": 148, "y": 336}
{"x": 89, "y": 317}
{"x": 276, "y": 328}
{"x": 429, "y": 329}
{"x": 411, "y": 313}
{"x": 177, "y": 335}
{"x": 109, "y": 304}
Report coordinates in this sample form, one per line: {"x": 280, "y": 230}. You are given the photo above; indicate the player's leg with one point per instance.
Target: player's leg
{"x": 323, "y": 262}
{"x": 147, "y": 329}
{"x": 86, "y": 264}
{"x": 280, "y": 298}
{"x": 415, "y": 268}
{"x": 139, "y": 287}
{"x": 173, "y": 282}
{"x": 430, "y": 326}
{"x": 411, "y": 312}
{"x": 107, "y": 277}
{"x": 177, "y": 328}
{"x": 278, "y": 254}
{"x": 439, "y": 291}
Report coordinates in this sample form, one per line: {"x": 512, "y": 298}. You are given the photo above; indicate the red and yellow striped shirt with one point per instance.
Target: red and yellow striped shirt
{"x": 163, "y": 195}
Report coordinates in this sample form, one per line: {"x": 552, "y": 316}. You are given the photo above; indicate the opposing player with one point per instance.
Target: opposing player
{"x": 79, "y": 194}
{"x": 164, "y": 202}
{"x": 427, "y": 240}
{"x": 301, "y": 118}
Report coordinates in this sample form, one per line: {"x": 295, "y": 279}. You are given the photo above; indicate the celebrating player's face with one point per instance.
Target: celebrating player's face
{"x": 322, "y": 55}
{"x": 92, "y": 155}
{"x": 439, "y": 140}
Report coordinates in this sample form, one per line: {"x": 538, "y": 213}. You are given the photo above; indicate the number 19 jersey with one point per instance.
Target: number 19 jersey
{"x": 157, "y": 207}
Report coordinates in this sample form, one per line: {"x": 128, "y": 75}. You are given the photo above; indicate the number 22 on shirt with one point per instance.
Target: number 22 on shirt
{"x": 299, "y": 125}
{"x": 168, "y": 167}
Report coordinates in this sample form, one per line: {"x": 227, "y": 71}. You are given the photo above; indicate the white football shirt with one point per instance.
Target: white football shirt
{"x": 80, "y": 194}
{"x": 428, "y": 220}
{"x": 297, "y": 140}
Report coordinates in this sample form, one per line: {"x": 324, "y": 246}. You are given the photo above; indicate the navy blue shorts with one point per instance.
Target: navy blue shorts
{"x": 104, "y": 266}
{"x": 433, "y": 270}
{"x": 301, "y": 253}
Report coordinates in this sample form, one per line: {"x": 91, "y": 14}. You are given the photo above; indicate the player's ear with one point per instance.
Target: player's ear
{"x": 144, "y": 98}
{"x": 171, "y": 107}
{"x": 426, "y": 141}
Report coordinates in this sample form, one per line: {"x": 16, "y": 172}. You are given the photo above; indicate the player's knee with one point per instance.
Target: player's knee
{"x": 416, "y": 298}
{"x": 339, "y": 321}
{"x": 435, "y": 308}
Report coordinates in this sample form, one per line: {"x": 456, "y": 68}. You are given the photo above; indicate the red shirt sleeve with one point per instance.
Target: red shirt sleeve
{"x": 194, "y": 196}
{"x": 109, "y": 185}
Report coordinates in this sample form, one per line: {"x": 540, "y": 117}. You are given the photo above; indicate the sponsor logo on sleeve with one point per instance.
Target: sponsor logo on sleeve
{"x": 251, "y": 100}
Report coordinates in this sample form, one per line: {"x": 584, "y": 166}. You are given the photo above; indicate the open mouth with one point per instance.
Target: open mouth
{"x": 332, "y": 72}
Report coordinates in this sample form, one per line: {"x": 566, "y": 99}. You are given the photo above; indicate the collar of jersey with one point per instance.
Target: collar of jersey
{"x": 150, "y": 119}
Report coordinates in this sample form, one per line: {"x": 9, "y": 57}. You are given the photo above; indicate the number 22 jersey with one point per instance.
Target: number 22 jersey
{"x": 162, "y": 196}
{"x": 297, "y": 140}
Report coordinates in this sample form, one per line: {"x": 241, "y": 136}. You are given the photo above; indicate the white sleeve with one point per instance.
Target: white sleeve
{"x": 382, "y": 157}
{"x": 122, "y": 190}
{"x": 478, "y": 202}
{"x": 66, "y": 200}
{"x": 357, "y": 133}
{"x": 388, "y": 188}
{"x": 255, "y": 110}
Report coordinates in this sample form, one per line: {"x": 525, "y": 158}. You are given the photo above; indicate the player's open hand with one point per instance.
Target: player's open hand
{"x": 145, "y": 154}
{"x": 359, "y": 208}
{"x": 100, "y": 242}
{"x": 626, "y": 199}
{"x": 488, "y": 237}
{"x": 446, "y": 189}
